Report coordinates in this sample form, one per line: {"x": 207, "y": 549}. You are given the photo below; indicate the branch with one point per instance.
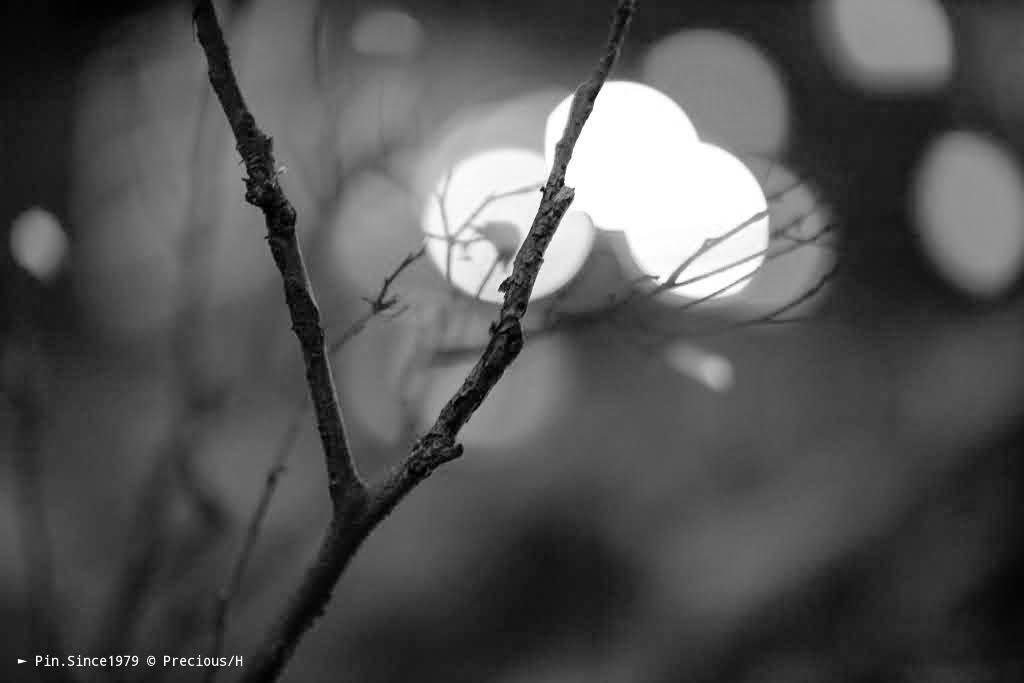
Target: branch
{"x": 383, "y": 302}
{"x": 438, "y": 445}
{"x": 774, "y": 317}
{"x": 264, "y": 192}
{"x": 356, "y": 510}
{"x": 452, "y": 236}
{"x": 252, "y": 532}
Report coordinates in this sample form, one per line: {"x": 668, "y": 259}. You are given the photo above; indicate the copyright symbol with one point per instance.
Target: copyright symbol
{"x": 151, "y": 660}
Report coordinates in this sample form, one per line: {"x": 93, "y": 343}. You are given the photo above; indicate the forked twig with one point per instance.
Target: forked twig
{"x": 381, "y": 303}
{"x": 357, "y": 508}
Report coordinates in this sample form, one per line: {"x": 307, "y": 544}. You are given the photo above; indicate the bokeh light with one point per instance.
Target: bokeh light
{"x": 968, "y": 201}
{"x": 887, "y": 45}
{"x": 387, "y": 33}
{"x": 486, "y": 204}
{"x": 709, "y": 369}
{"x": 513, "y": 122}
{"x": 728, "y": 88}
{"x": 627, "y": 155}
{"x": 715, "y": 194}
{"x": 38, "y": 242}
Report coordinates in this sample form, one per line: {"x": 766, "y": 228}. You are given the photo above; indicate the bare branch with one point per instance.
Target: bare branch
{"x": 441, "y": 197}
{"x": 438, "y": 445}
{"x": 357, "y": 511}
{"x": 264, "y": 191}
{"x": 774, "y": 316}
{"x": 381, "y": 303}
{"x": 712, "y": 242}
{"x": 252, "y": 532}
{"x": 491, "y": 198}
{"x": 767, "y": 253}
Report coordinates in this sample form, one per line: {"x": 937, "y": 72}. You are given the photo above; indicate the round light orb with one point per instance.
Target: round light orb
{"x": 968, "y": 202}
{"x": 889, "y": 45}
{"x": 509, "y": 123}
{"x": 716, "y": 197}
{"x": 38, "y": 243}
{"x": 709, "y": 369}
{"x": 479, "y": 216}
{"x": 727, "y": 86}
{"x": 629, "y": 147}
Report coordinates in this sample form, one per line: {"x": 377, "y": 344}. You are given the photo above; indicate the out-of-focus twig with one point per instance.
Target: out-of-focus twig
{"x": 196, "y": 401}
{"x": 452, "y": 236}
{"x": 774, "y": 316}
{"x": 252, "y": 531}
{"x": 19, "y": 381}
{"x": 785, "y": 239}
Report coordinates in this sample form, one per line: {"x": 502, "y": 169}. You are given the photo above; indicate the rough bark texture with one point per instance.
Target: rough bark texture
{"x": 263, "y": 191}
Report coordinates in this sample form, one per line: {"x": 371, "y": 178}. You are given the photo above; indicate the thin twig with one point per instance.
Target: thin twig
{"x": 774, "y": 316}
{"x": 767, "y": 253}
{"x": 554, "y": 321}
{"x": 491, "y": 199}
{"x": 712, "y": 242}
{"x": 672, "y": 281}
{"x": 357, "y": 511}
{"x": 383, "y": 302}
{"x": 252, "y": 531}
{"x": 441, "y": 196}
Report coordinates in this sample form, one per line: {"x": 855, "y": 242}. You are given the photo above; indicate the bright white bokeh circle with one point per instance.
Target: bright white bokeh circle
{"x": 726, "y": 85}
{"x": 628, "y": 150}
{"x": 889, "y": 45}
{"x": 714, "y": 195}
{"x": 968, "y": 202}
{"x": 482, "y": 257}
{"x": 38, "y": 243}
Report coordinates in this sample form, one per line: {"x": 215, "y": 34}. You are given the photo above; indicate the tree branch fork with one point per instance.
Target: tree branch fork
{"x": 357, "y": 506}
